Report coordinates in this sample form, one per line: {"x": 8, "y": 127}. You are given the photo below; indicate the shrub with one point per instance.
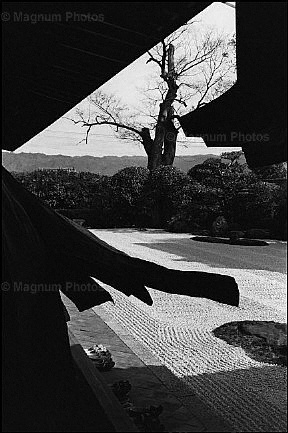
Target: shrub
{"x": 200, "y": 205}
{"x": 257, "y": 234}
{"x": 61, "y": 189}
{"x": 234, "y": 227}
{"x": 177, "y": 225}
{"x": 220, "y": 226}
{"x": 165, "y": 193}
{"x": 279, "y": 227}
{"x": 102, "y": 203}
{"x": 118, "y": 199}
{"x": 88, "y": 215}
{"x": 235, "y": 234}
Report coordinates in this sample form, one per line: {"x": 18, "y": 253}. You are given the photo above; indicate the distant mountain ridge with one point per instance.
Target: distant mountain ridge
{"x": 106, "y": 165}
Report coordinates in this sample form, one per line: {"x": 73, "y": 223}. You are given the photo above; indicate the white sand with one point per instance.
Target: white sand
{"x": 249, "y": 395}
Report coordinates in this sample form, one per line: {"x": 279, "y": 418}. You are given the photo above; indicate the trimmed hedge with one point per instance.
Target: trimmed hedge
{"x": 257, "y": 234}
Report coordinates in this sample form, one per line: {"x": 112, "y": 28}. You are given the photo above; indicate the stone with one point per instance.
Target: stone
{"x": 101, "y": 357}
{"x": 274, "y": 333}
{"x": 262, "y": 340}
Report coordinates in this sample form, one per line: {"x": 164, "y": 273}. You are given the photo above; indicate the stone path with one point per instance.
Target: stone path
{"x": 147, "y": 387}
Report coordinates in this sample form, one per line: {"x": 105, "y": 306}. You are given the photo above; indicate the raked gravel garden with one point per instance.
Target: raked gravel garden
{"x": 250, "y": 396}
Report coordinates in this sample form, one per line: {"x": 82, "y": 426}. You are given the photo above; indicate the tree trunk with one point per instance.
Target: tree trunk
{"x": 155, "y": 153}
{"x": 148, "y": 145}
{"x": 162, "y": 149}
{"x": 170, "y": 141}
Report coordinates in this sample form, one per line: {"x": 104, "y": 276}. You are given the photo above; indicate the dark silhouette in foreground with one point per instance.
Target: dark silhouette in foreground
{"x": 44, "y": 253}
{"x": 74, "y": 254}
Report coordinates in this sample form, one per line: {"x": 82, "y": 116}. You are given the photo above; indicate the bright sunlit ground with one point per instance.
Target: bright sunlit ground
{"x": 249, "y": 395}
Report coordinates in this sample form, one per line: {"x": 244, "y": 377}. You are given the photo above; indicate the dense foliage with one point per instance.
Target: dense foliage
{"x": 60, "y": 188}
{"x": 117, "y": 200}
{"x": 168, "y": 198}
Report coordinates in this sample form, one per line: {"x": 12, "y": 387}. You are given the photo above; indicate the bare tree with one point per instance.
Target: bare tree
{"x": 192, "y": 70}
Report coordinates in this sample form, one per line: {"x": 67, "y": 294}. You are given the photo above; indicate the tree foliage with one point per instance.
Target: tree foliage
{"x": 118, "y": 198}
{"x": 199, "y": 207}
{"x": 61, "y": 189}
{"x": 272, "y": 172}
{"x": 165, "y": 192}
{"x": 168, "y": 198}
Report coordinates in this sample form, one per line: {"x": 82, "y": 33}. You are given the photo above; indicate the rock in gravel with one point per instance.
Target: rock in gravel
{"x": 274, "y": 333}
{"x": 262, "y": 340}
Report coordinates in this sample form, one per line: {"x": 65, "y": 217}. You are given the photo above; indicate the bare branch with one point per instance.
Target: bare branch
{"x": 194, "y": 68}
{"x": 106, "y": 122}
{"x": 153, "y": 59}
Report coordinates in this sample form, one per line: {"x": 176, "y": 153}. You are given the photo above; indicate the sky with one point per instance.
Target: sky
{"x": 63, "y": 137}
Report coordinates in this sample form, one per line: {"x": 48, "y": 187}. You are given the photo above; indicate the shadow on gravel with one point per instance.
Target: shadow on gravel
{"x": 244, "y": 242}
{"x": 271, "y": 258}
{"x": 184, "y": 399}
{"x": 157, "y": 386}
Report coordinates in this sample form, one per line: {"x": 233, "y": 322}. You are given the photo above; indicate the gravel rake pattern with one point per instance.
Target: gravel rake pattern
{"x": 247, "y": 394}
{"x": 202, "y": 361}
